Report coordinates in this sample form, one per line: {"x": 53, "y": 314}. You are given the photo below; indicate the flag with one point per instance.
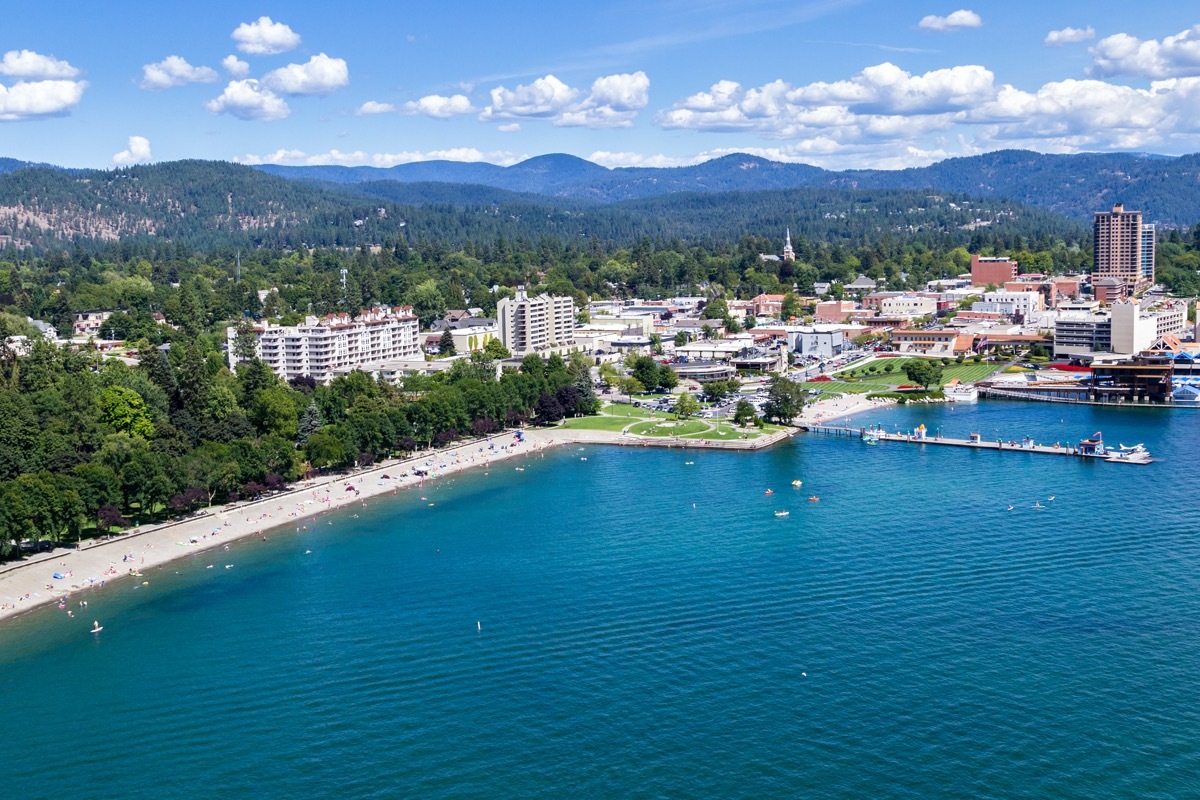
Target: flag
{"x": 1096, "y": 435}
{"x": 982, "y": 343}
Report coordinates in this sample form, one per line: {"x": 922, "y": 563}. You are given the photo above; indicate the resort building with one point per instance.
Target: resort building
{"x": 1124, "y": 248}
{"x": 541, "y": 324}
{"x": 321, "y": 348}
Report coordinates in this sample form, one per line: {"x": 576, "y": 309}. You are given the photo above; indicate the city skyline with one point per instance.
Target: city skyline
{"x": 839, "y": 83}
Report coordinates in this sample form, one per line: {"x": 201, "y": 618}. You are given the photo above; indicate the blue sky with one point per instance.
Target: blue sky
{"x": 837, "y": 83}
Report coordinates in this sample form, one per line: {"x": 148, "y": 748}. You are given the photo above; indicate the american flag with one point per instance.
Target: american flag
{"x": 981, "y": 344}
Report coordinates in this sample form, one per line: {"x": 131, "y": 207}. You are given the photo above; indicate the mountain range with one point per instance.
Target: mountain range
{"x": 1164, "y": 188}
{"x": 205, "y": 204}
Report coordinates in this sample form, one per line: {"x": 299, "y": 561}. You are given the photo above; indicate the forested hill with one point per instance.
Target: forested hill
{"x": 1166, "y": 189}
{"x": 198, "y": 203}
{"x": 206, "y": 205}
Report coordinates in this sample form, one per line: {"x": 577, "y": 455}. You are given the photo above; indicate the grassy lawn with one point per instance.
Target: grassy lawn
{"x": 629, "y": 412}
{"x": 682, "y": 428}
{"x": 840, "y": 387}
{"x": 601, "y": 423}
{"x": 727, "y": 431}
{"x": 967, "y": 372}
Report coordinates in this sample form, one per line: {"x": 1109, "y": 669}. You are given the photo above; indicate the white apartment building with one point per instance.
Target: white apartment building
{"x": 321, "y": 348}
{"x": 1011, "y": 304}
{"x": 541, "y": 324}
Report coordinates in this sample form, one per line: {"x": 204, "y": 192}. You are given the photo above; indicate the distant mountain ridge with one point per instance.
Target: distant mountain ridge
{"x": 1165, "y": 188}
{"x": 213, "y": 204}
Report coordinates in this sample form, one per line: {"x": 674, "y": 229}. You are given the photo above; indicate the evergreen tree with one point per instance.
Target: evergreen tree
{"x": 310, "y": 422}
{"x": 446, "y": 343}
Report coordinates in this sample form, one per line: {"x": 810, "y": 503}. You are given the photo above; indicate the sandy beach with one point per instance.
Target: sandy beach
{"x": 84, "y": 573}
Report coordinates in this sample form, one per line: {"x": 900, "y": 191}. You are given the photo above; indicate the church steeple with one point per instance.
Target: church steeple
{"x": 788, "y": 253}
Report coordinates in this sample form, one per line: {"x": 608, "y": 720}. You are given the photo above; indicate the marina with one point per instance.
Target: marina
{"x": 1092, "y": 449}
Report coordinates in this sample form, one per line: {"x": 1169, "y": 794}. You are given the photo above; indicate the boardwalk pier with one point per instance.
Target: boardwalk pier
{"x": 1092, "y": 450}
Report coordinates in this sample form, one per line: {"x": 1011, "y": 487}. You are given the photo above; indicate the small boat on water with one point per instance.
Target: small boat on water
{"x": 769, "y": 491}
{"x": 813, "y": 499}
{"x": 871, "y": 439}
{"x": 797, "y": 484}
{"x": 958, "y": 392}
{"x": 782, "y": 513}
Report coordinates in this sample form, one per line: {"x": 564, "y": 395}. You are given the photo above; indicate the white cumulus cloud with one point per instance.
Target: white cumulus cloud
{"x": 319, "y": 75}
{"x": 235, "y": 66}
{"x": 1069, "y": 35}
{"x": 954, "y": 21}
{"x": 1175, "y": 56}
{"x": 510, "y": 127}
{"x": 440, "y": 106}
{"x": 545, "y": 98}
{"x": 371, "y": 107}
{"x": 360, "y": 157}
{"x": 613, "y": 101}
{"x": 174, "y": 71}
{"x": 611, "y": 160}
{"x": 30, "y": 65}
{"x": 250, "y": 100}
{"x": 35, "y": 99}
{"x": 138, "y": 152}
{"x": 265, "y": 37}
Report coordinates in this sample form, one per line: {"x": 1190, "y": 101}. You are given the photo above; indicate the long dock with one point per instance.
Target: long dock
{"x": 1110, "y": 456}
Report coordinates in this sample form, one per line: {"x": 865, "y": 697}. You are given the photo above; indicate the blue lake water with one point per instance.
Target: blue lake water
{"x": 631, "y": 626}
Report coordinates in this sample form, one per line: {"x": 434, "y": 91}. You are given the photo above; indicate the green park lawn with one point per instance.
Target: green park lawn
{"x": 599, "y": 423}
{"x": 669, "y": 428}
{"x": 967, "y": 372}
{"x": 839, "y": 387}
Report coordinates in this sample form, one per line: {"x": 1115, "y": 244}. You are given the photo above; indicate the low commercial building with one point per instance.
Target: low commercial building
{"x": 819, "y": 341}
{"x": 1110, "y": 290}
{"x": 1021, "y": 305}
{"x": 1082, "y": 334}
{"x": 908, "y": 304}
{"x": 834, "y": 311}
{"x": 938, "y": 342}
{"x": 767, "y": 305}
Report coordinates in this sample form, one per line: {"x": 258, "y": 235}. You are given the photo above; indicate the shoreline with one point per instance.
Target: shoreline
{"x": 28, "y": 585}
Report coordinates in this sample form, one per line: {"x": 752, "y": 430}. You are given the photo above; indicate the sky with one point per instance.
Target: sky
{"x": 836, "y": 83}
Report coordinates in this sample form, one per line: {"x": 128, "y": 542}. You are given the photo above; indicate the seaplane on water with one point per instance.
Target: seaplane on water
{"x": 1134, "y": 448}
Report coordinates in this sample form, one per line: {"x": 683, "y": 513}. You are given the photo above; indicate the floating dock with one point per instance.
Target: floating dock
{"x": 1086, "y": 450}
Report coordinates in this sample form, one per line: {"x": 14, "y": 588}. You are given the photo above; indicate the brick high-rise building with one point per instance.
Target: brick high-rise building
{"x": 989, "y": 270}
{"x": 1124, "y": 248}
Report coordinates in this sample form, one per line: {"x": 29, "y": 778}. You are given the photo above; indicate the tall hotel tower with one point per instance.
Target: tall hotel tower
{"x": 1124, "y": 248}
